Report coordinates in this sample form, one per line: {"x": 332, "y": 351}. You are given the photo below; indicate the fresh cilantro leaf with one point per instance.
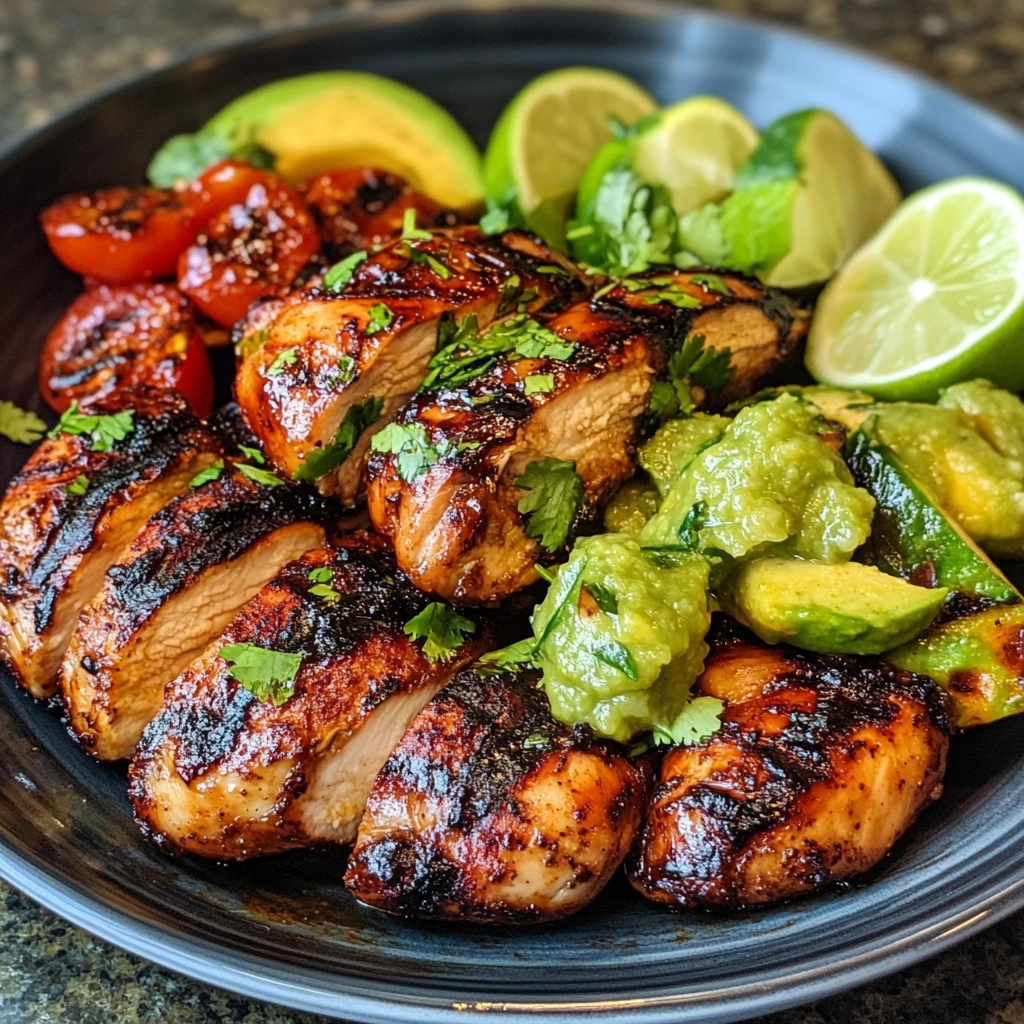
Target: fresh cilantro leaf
{"x": 441, "y": 628}
{"x": 673, "y": 296}
{"x": 536, "y": 739}
{"x": 269, "y": 675}
{"x": 259, "y": 476}
{"x": 522, "y": 652}
{"x": 326, "y": 592}
{"x": 510, "y": 289}
{"x": 253, "y": 454}
{"x": 381, "y": 318}
{"x": 341, "y": 273}
{"x": 429, "y": 260}
{"x": 567, "y": 584}
{"x": 322, "y": 574}
{"x": 409, "y": 442}
{"x": 104, "y": 430}
{"x": 693, "y": 365}
{"x": 604, "y": 598}
{"x": 555, "y": 495}
{"x": 693, "y": 522}
{"x": 78, "y": 486}
{"x": 712, "y": 283}
{"x": 696, "y": 722}
{"x": 663, "y": 404}
{"x": 208, "y": 475}
{"x": 185, "y": 157}
{"x": 20, "y": 425}
{"x": 320, "y": 461}
{"x": 409, "y": 229}
{"x": 495, "y": 220}
{"x": 286, "y": 358}
{"x": 538, "y": 384}
{"x": 618, "y": 656}
{"x": 251, "y": 343}
{"x": 346, "y": 371}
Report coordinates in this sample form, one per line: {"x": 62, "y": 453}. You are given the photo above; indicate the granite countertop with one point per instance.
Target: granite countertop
{"x": 52, "y": 52}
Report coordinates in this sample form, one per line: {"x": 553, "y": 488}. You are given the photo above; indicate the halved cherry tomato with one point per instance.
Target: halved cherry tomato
{"x": 360, "y": 207}
{"x": 255, "y": 247}
{"x": 121, "y": 234}
{"x": 113, "y": 336}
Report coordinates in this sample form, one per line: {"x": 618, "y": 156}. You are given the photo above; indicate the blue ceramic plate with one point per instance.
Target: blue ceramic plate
{"x": 285, "y": 930}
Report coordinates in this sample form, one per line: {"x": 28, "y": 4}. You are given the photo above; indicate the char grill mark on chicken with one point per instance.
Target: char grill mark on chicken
{"x": 762, "y": 327}
{"x": 820, "y": 765}
{"x": 72, "y": 511}
{"x": 318, "y": 357}
{"x": 222, "y": 773}
{"x": 184, "y": 577}
{"x": 360, "y": 207}
{"x": 491, "y": 811}
{"x": 455, "y": 525}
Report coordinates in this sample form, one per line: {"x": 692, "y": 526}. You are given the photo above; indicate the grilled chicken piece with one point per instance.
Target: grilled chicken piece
{"x": 821, "y": 764}
{"x": 761, "y": 327}
{"x": 491, "y": 811}
{"x": 185, "y": 576}
{"x": 324, "y": 371}
{"x": 360, "y": 207}
{"x": 72, "y": 511}
{"x": 455, "y": 524}
{"x": 222, "y": 773}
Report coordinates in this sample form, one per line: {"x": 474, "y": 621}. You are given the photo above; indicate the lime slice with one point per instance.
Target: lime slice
{"x": 546, "y": 136}
{"x": 694, "y": 149}
{"x": 808, "y": 196}
{"x": 937, "y": 296}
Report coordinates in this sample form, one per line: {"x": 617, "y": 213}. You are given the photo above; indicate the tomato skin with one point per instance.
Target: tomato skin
{"x": 359, "y": 207}
{"x": 113, "y": 336}
{"x": 118, "y": 235}
{"x": 254, "y": 247}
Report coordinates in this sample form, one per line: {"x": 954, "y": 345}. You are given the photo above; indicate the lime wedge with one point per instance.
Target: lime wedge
{"x": 937, "y": 296}
{"x": 809, "y": 194}
{"x": 694, "y": 149}
{"x": 546, "y": 136}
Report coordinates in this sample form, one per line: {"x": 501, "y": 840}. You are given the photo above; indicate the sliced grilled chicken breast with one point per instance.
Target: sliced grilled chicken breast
{"x": 491, "y": 811}
{"x": 453, "y": 516}
{"x": 184, "y": 577}
{"x": 222, "y": 773}
{"x": 820, "y": 765}
{"x": 325, "y": 370}
{"x": 761, "y": 327}
{"x": 73, "y": 510}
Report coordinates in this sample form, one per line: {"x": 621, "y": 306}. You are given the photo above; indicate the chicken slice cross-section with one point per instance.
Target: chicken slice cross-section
{"x": 224, "y": 773}
{"x": 323, "y": 370}
{"x": 76, "y": 506}
{"x": 574, "y": 389}
{"x": 184, "y": 577}
{"x": 491, "y": 811}
{"x": 820, "y": 765}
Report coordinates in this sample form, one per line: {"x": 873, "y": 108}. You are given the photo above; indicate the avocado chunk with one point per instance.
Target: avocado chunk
{"x": 911, "y": 536}
{"x": 676, "y": 444}
{"x": 848, "y": 608}
{"x": 334, "y": 119}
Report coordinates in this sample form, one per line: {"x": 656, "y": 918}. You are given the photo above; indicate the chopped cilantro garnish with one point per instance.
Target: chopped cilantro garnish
{"x": 409, "y": 442}
{"x": 259, "y": 476}
{"x": 617, "y": 655}
{"x": 539, "y": 384}
{"x": 78, "y": 486}
{"x": 693, "y": 522}
{"x": 322, "y": 574}
{"x": 426, "y": 259}
{"x": 555, "y": 496}
{"x": 346, "y": 371}
{"x": 253, "y": 454}
{"x": 692, "y": 365}
{"x": 104, "y": 430}
{"x": 510, "y": 289}
{"x": 697, "y": 721}
{"x": 381, "y": 318}
{"x": 603, "y": 597}
{"x": 285, "y": 358}
{"x": 269, "y": 675}
{"x": 441, "y": 628}
{"x": 673, "y": 295}
{"x": 326, "y": 592}
{"x": 208, "y": 475}
{"x": 320, "y": 461}
{"x": 522, "y": 652}
{"x": 20, "y": 425}
{"x": 341, "y": 273}
{"x": 536, "y": 739}
{"x": 409, "y": 229}
{"x": 712, "y": 283}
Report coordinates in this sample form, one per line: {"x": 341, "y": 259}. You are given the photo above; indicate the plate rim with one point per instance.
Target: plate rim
{"x": 244, "y": 974}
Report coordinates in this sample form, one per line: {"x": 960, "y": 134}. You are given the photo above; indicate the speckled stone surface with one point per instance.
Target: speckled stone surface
{"x": 52, "y": 52}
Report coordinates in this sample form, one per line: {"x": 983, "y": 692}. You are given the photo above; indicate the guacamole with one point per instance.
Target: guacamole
{"x": 620, "y": 638}
{"x": 675, "y": 444}
{"x": 997, "y": 415}
{"x": 769, "y": 485}
{"x": 633, "y": 504}
{"x": 973, "y": 481}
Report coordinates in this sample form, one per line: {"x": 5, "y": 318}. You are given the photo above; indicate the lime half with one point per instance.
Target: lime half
{"x": 694, "y": 149}
{"x": 937, "y": 296}
{"x": 546, "y": 136}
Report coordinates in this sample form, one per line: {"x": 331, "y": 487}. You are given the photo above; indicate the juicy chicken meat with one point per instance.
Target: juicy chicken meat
{"x": 491, "y": 811}
{"x": 360, "y": 207}
{"x": 184, "y": 577}
{"x": 72, "y": 511}
{"x": 821, "y": 764}
{"x": 224, "y": 773}
{"x": 322, "y": 370}
{"x": 455, "y": 524}
{"x": 760, "y": 326}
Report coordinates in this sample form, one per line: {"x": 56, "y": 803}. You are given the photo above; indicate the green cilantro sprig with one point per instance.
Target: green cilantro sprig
{"x": 105, "y": 431}
{"x": 78, "y": 486}
{"x": 20, "y": 425}
{"x": 381, "y": 318}
{"x": 208, "y": 475}
{"x": 358, "y": 418}
{"x": 442, "y": 630}
{"x": 414, "y": 451}
{"x": 555, "y": 494}
{"x": 267, "y": 674}
{"x": 322, "y": 577}
{"x": 695, "y": 723}
{"x": 286, "y": 358}
{"x": 339, "y": 275}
